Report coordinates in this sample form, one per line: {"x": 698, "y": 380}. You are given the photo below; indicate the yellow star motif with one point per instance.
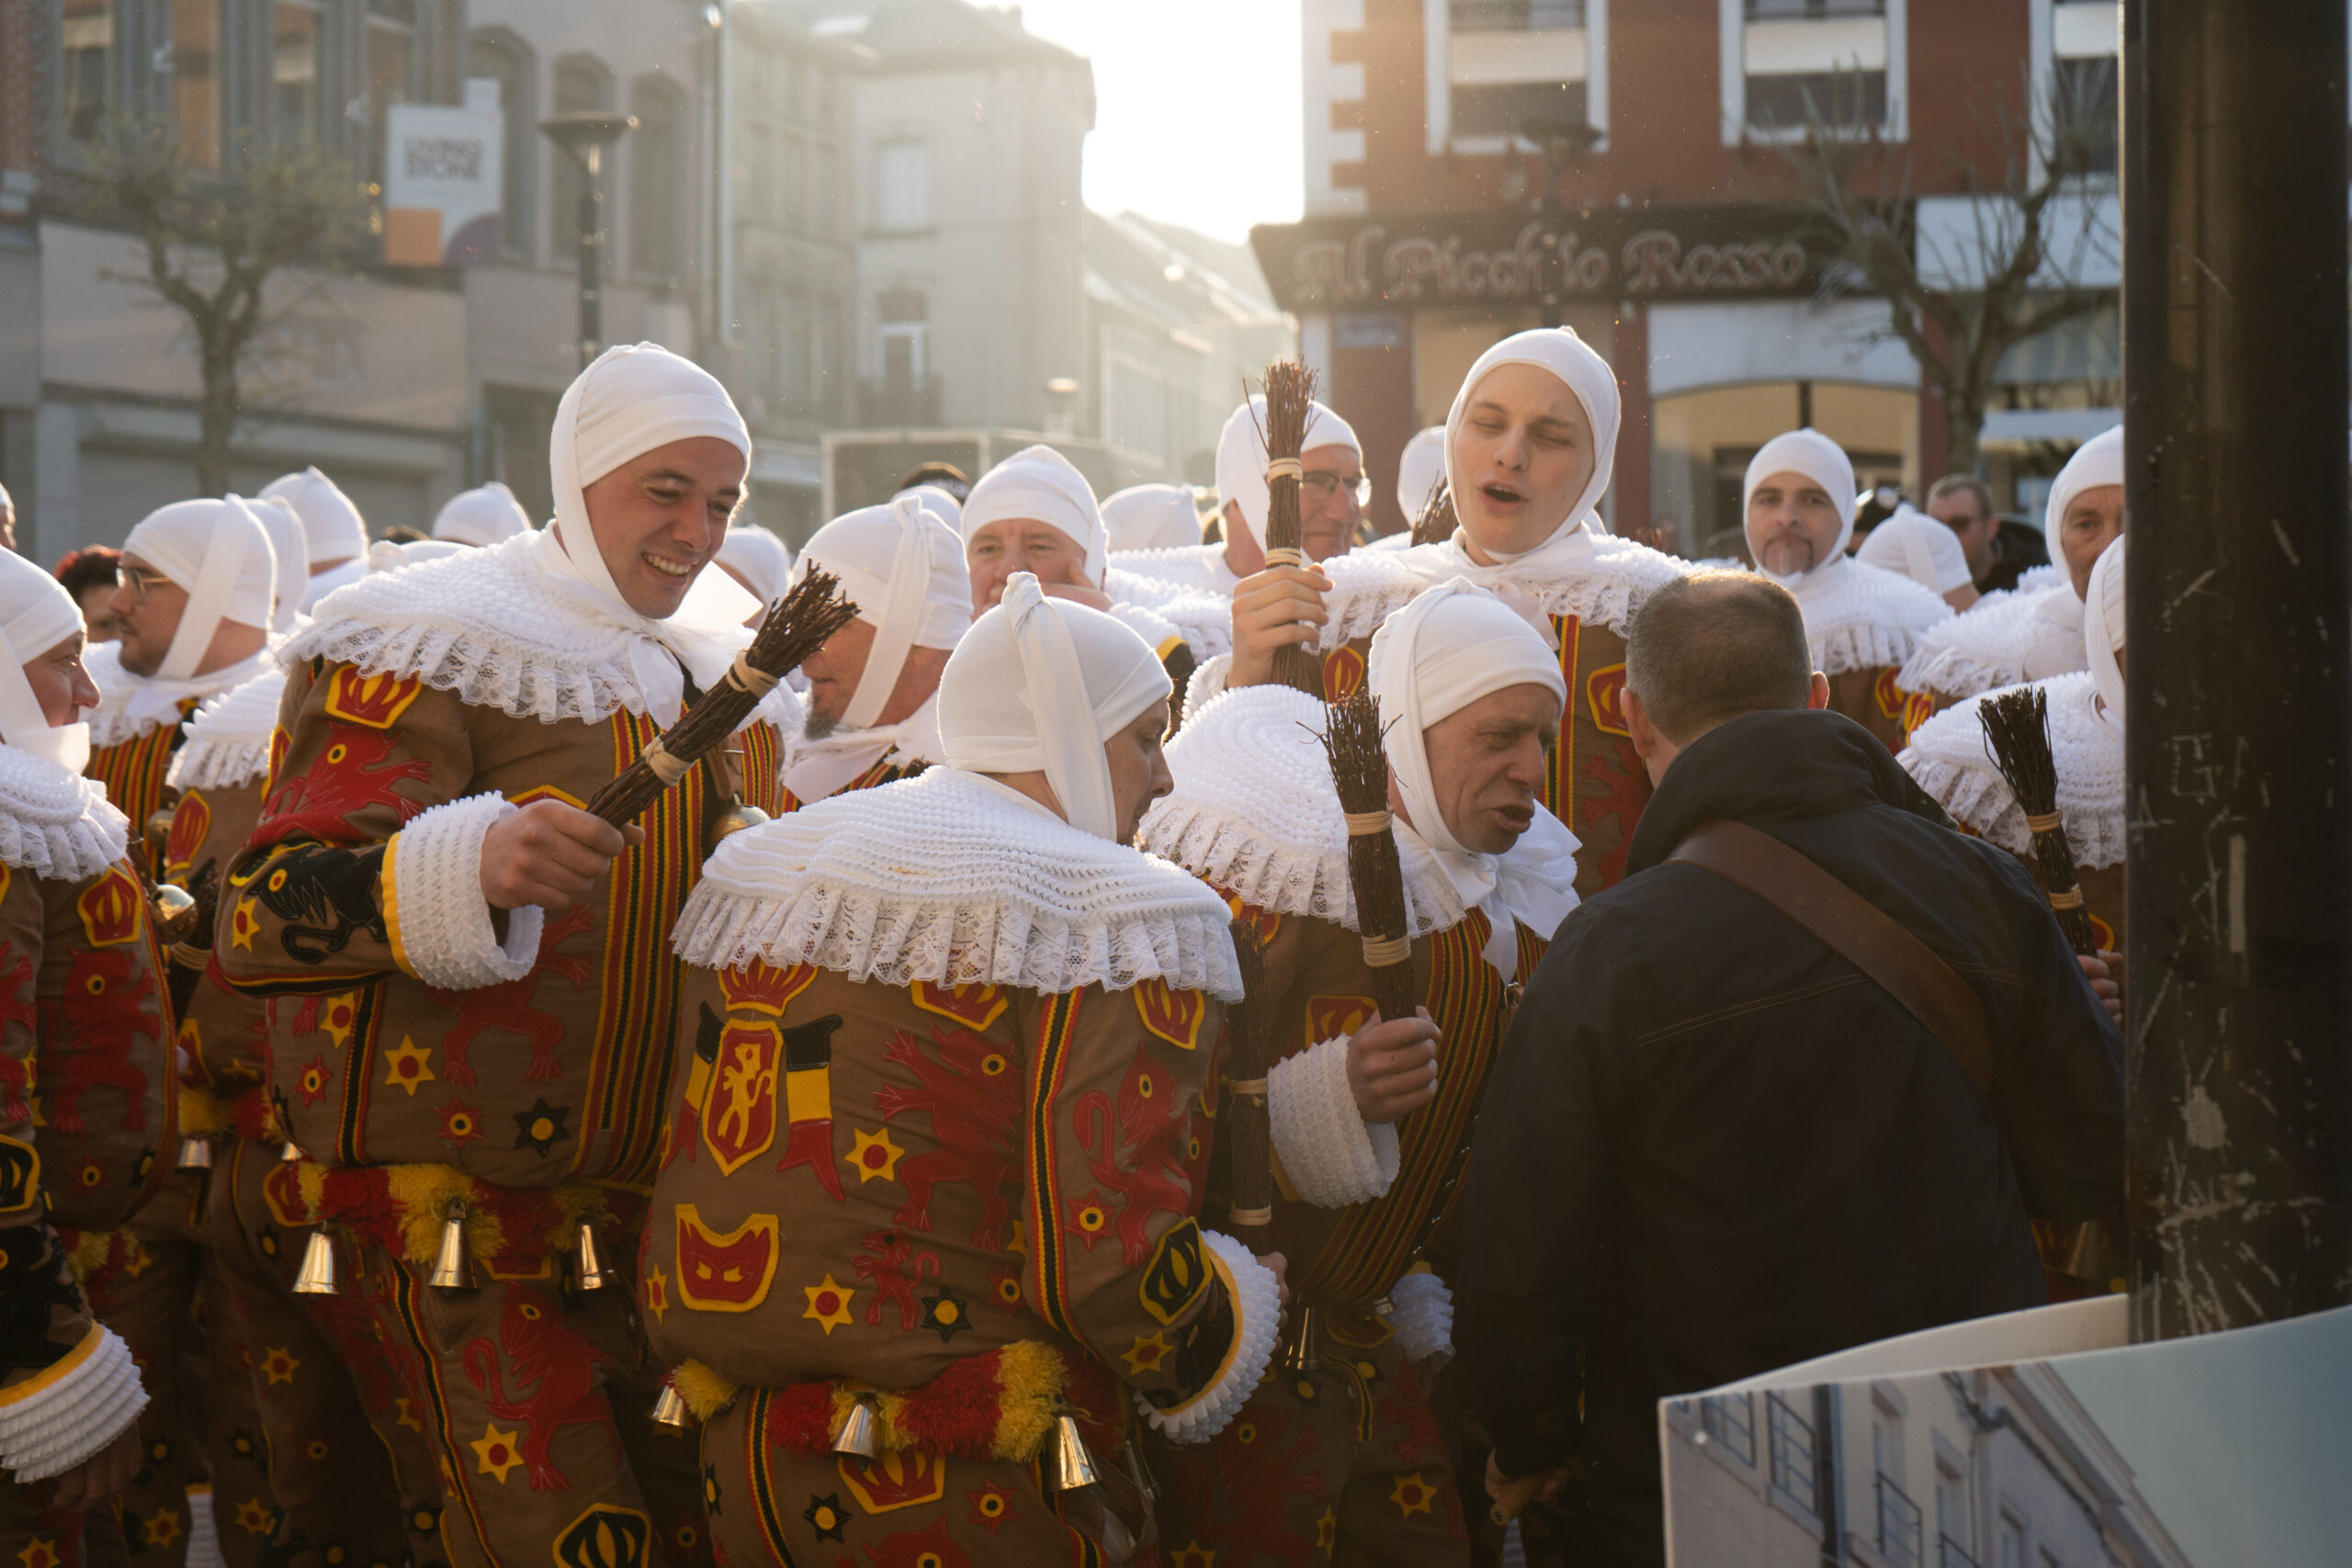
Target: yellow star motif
{"x": 278, "y": 1364}
{"x": 1194, "y": 1556}
{"x": 875, "y": 1155}
{"x": 255, "y": 1516}
{"x": 1147, "y": 1353}
{"x": 408, "y": 1065}
{"x": 1412, "y": 1494}
{"x": 335, "y": 1016}
{"x": 243, "y": 924}
{"x": 161, "y": 1528}
{"x": 136, "y": 1258}
{"x": 1019, "y": 1242}
{"x": 495, "y": 1452}
{"x": 828, "y": 1305}
{"x": 657, "y": 1292}
{"x": 403, "y": 1416}
{"x": 1326, "y": 1530}
{"x": 41, "y": 1553}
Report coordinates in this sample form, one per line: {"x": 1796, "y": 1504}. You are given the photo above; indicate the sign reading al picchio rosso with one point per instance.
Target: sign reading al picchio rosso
{"x": 1421, "y": 261}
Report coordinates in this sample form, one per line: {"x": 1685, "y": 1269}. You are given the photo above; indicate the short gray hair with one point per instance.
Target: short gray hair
{"x": 1707, "y": 648}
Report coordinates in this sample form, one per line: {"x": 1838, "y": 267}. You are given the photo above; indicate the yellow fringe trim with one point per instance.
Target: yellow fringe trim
{"x": 203, "y": 1112}
{"x": 424, "y": 1193}
{"x": 705, "y": 1393}
{"x": 1031, "y": 1380}
{"x": 89, "y": 1253}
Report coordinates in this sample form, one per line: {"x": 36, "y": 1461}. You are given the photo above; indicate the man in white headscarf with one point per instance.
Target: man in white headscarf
{"x": 759, "y": 560}
{"x": 291, "y": 550}
{"x": 332, "y": 528}
{"x": 1035, "y": 513}
{"x": 2031, "y": 635}
{"x": 968, "y": 993}
{"x": 873, "y": 698}
{"x": 1420, "y": 473}
{"x": 1330, "y": 504}
{"x": 482, "y": 516}
{"x": 1911, "y": 542}
{"x": 1531, "y": 442}
{"x": 85, "y": 1036}
{"x": 1151, "y": 517}
{"x": 1863, "y": 622}
{"x": 1470, "y": 695}
{"x": 476, "y": 1000}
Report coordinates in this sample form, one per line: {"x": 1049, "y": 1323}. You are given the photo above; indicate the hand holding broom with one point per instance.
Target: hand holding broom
{"x": 1290, "y": 396}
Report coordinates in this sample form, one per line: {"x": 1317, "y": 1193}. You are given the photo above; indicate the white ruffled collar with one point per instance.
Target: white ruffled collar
{"x": 1254, "y": 813}
{"x": 1859, "y": 617}
{"x": 1203, "y": 620}
{"x": 1598, "y": 577}
{"x": 54, "y": 822}
{"x": 1197, "y": 568}
{"x": 497, "y": 628}
{"x": 1948, "y": 759}
{"x": 2000, "y": 640}
{"x": 130, "y": 705}
{"x": 944, "y": 878}
{"x": 228, "y": 739}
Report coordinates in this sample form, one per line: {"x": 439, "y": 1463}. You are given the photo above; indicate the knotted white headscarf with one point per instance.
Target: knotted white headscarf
{"x": 1042, "y": 683}
{"x": 762, "y": 561}
{"x": 1420, "y": 468}
{"x": 1241, "y": 456}
{"x": 631, "y": 401}
{"x": 482, "y": 516}
{"x": 2103, "y": 633}
{"x": 2098, "y": 461}
{"x": 903, "y": 566}
{"x": 1590, "y": 380}
{"x": 1444, "y": 651}
{"x": 1820, "y": 459}
{"x": 219, "y": 552}
{"x": 332, "y": 528}
{"x": 1151, "y": 517}
{"x": 293, "y": 555}
{"x": 36, "y": 615}
{"x": 1039, "y": 482}
{"x": 1920, "y": 547}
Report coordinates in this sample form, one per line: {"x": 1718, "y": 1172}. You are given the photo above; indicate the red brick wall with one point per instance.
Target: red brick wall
{"x": 17, "y": 81}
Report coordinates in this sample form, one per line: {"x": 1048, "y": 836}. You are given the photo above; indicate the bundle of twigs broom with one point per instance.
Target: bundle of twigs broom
{"x": 1437, "y": 521}
{"x": 1359, "y": 770}
{"x": 2017, "y": 739}
{"x": 1290, "y": 392}
{"x": 1250, "y": 1056}
{"x": 796, "y": 625}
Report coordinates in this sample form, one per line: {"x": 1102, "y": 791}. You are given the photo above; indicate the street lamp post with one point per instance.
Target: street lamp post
{"x": 585, "y": 135}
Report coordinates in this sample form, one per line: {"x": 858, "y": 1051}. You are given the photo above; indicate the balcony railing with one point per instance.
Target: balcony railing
{"x": 1898, "y": 1525}
{"x": 1730, "y": 1420}
{"x": 889, "y": 402}
{"x": 1516, "y": 15}
{"x": 1796, "y": 1473}
{"x": 1949, "y": 1553}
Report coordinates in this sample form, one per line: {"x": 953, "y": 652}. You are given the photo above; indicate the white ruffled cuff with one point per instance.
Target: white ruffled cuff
{"x": 1423, "y": 1320}
{"x": 1257, "y": 1324}
{"x": 439, "y": 921}
{"x": 1331, "y": 1157}
{"x": 52, "y": 1422}
{"x": 1206, "y": 685}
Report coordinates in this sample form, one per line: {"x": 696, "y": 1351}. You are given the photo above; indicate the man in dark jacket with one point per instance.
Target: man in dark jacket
{"x": 1711, "y": 1145}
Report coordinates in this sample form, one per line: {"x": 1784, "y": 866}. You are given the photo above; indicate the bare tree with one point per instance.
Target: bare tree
{"x": 1961, "y": 297}
{"x": 221, "y": 249}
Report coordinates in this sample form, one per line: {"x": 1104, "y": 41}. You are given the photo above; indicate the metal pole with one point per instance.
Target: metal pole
{"x": 2239, "y": 722}
{"x": 592, "y": 256}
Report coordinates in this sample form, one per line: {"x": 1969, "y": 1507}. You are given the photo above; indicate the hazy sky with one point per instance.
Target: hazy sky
{"x": 1196, "y": 106}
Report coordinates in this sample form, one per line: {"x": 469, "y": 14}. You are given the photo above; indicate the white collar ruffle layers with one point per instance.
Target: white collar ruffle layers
{"x": 1948, "y": 759}
{"x": 1858, "y": 617}
{"x": 1203, "y": 620}
{"x": 1193, "y": 569}
{"x": 814, "y": 770}
{"x": 1999, "y": 641}
{"x": 1598, "y": 577}
{"x": 227, "y": 739}
{"x": 130, "y": 705}
{"x": 1255, "y": 813}
{"x": 955, "y": 879}
{"x": 55, "y": 823}
{"x": 494, "y": 626}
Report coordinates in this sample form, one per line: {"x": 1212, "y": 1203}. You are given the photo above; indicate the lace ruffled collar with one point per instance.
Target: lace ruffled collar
{"x": 1858, "y": 617}
{"x": 227, "y": 739}
{"x": 1597, "y": 578}
{"x": 1195, "y": 569}
{"x": 130, "y": 705}
{"x": 1999, "y": 641}
{"x": 1947, "y": 757}
{"x": 54, "y": 822}
{"x": 954, "y": 879}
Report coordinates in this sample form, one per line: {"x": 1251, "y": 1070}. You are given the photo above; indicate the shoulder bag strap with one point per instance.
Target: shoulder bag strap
{"x": 1903, "y": 965}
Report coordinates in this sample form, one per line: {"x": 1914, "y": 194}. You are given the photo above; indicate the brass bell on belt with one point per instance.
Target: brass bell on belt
{"x": 1070, "y": 1464}
{"x": 175, "y": 913}
{"x": 291, "y": 1153}
{"x": 670, "y": 1407}
{"x": 1139, "y": 1471}
{"x": 592, "y": 1275}
{"x": 1302, "y": 1349}
{"x": 861, "y": 1433}
{"x": 196, "y": 1154}
{"x": 733, "y": 820}
{"x": 317, "y": 1278}
{"x": 453, "y": 1269}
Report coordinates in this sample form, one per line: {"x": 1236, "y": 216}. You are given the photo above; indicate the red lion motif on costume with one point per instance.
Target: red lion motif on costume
{"x": 974, "y": 1098}
{"x": 507, "y": 1006}
{"x": 103, "y": 1008}
{"x": 558, "y": 1370}
{"x": 355, "y": 771}
{"x": 1146, "y": 1168}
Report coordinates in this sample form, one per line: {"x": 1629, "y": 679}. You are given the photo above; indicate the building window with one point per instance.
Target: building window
{"x": 497, "y": 55}
{"x": 1515, "y": 15}
{"x": 901, "y": 187}
{"x": 2079, "y": 56}
{"x": 1501, "y": 69}
{"x": 1899, "y": 1525}
{"x": 1952, "y": 1531}
{"x": 87, "y": 38}
{"x": 297, "y": 60}
{"x": 391, "y": 63}
{"x": 1730, "y": 1420}
{"x": 582, "y": 82}
{"x": 905, "y": 328}
{"x": 194, "y": 61}
{"x": 2012, "y": 1541}
{"x": 823, "y": 193}
{"x": 1789, "y": 65}
{"x": 659, "y": 180}
{"x": 1796, "y": 1473}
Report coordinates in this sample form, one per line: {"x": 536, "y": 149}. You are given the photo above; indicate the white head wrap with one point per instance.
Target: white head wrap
{"x": 1444, "y": 651}
{"x": 1920, "y": 547}
{"x": 390, "y": 554}
{"x": 1818, "y": 459}
{"x": 1418, "y": 470}
{"x": 903, "y": 565}
{"x": 1587, "y": 378}
{"x": 631, "y": 401}
{"x": 293, "y": 552}
{"x": 760, "y": 558}
{"x": 36, "y": 615}
{"x": 482, "y": 516}
{"x": 332, "y": 526}
{"x": 219, "y": 553}
{"x": 1151, "y": 517}
{"x": 1039, "y": 482}
{"x": 2098, "y": 461}
{"x": 1241, "y": 456}
{"x": 1043, "y": 683}
{"x": 939, "y": 500}
{"x": 2103, "y": 632}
